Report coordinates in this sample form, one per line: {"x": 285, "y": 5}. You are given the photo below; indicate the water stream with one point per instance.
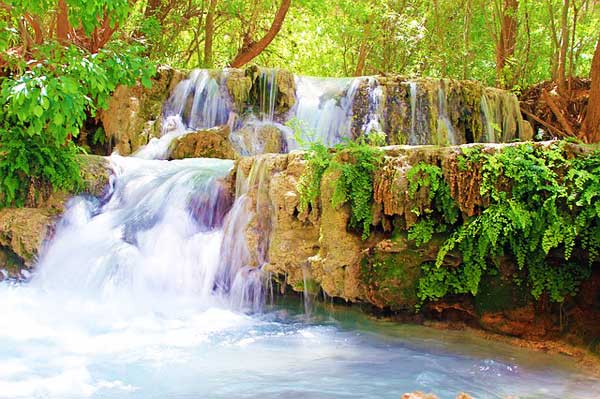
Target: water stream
{"x": 149, "y": 292}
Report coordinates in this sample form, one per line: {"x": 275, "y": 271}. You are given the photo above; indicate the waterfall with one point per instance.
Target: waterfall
{"x": 412, "y": 139}
{"x": 444, "y": 126}
{"x": 324, "y": 108}
{"x": 159, "y": 232}
{"x": 200, "y": 100}
{"x": 240, "y": 266}
{"x": 374, "y": 118}
{"x": 267, "y": 94}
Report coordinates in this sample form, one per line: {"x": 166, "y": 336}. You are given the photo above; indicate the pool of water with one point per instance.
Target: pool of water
{"x": 59, "y": 345}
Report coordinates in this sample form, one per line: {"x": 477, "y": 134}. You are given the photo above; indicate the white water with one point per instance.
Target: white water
{"x": 444, "y": 125}
{"x": 143, "y": 295}
{"x": 201, "y": 101}
{"x": 324, "y": 108}
{"x": 374, "y": 118}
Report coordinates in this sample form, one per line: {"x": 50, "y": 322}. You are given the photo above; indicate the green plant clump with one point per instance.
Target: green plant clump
{"x": 540, "y": 206}
{"x": 355, "y": 182}
{"x": 45, "y": 103}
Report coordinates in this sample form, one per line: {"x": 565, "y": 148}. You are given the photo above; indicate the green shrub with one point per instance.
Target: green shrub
{"x": 45, "y": 105}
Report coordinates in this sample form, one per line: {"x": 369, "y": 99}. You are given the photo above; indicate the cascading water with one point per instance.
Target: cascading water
{"x": 201, "y": 100}
{"x": 412, "y": 138}
{"x": 324, "y": 108}
{"x": 374, "y": 117}
{"x": 268, "y": 91}
{"x": 445, "y": 128}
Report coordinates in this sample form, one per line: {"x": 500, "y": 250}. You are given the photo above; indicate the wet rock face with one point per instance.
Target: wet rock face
{"x": 133, "y": 115}
{"x": 391, "y": 270}
{"x": 407, "y": 111}
{"x": 207, "y": 143}
{"x": 313, "y": 249}
{"x": 439, "y": 112}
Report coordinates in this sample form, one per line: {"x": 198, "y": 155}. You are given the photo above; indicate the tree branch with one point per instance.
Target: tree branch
{"x": 247, "y": 54}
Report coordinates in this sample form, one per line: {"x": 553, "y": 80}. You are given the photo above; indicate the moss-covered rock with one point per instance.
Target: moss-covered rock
{"x": 207, "y": 143}
{"x": 499, "y": 293}
{"x": 23, "y": 230}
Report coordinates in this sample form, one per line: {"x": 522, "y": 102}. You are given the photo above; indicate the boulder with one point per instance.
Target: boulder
{"x": 208, "y": 143}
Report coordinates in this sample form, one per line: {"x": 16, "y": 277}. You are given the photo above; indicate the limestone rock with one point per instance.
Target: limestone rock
{"x": 238, "y": 86}
{"x": 259, "y": 138}
{"x": 286, "y": 87}
{"x": 208, "y": 143}
{"x": 133, "y": 115}
{"x": 23, "y": 230}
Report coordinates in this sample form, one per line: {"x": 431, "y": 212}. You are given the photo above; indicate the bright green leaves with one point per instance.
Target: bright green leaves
{"x": 318, "y": 160}
{"x": 539, "y": 204}
{"x": 440, "y": 213}
{"x": 46, "y": 106}
{"x": 354, "y": 184}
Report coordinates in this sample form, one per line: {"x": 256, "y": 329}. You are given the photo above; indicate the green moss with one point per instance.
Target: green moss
{"x": 391, "y": 278}
{"x": 309, "y": 285}
{"x": 498, "y": 293}
{"x": 10, "y": 262}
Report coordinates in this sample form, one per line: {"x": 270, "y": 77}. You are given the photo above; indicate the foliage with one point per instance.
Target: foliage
{"x": 440, "y": 212}
{"x": 540, "y": 202}
{"x": 355, "y": 182}
{"x": 44, "y": 107}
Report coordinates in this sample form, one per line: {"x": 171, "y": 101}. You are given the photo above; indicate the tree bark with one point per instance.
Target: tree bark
{"x": 507, "y": 40}
{"x": 209, "y": 31}
{"x": 152, "y": 8}
{"x": 363, "y": 51}
{"x": 591, "y": 125}
{"x": 248, "y": 52}
{"x": 564, "y": 45}
{"x": 63, "y": 27}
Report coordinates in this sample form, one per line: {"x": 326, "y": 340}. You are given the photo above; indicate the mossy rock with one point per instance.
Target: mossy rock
{"x": 10, "y": 262}
{"x": 391, "y": 279}
{"x": 499, "y": 293}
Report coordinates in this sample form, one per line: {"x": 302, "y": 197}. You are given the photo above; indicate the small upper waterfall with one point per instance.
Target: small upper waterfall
{"x": 271, "y": 111}
{"x": 201, "y": 100}
{"x": 324, "y": 108}
{"x": 374, "y": 120}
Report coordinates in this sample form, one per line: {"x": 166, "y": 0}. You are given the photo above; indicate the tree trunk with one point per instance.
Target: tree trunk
{"x": 151, "y": 8}
{"x": 247, "y": 53}
{"x": 507, "y": 40}
{"x": 209, "y": 31}
{"x": 564, "y": 45}
{"x": 63, "y": 27}
{"x": 591, "y": 126}
{"x": 363, "y": 51}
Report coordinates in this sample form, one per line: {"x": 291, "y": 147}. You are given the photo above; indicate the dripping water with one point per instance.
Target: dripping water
{"x": 412, "y": 139}
{"x": 445, "y": 128}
